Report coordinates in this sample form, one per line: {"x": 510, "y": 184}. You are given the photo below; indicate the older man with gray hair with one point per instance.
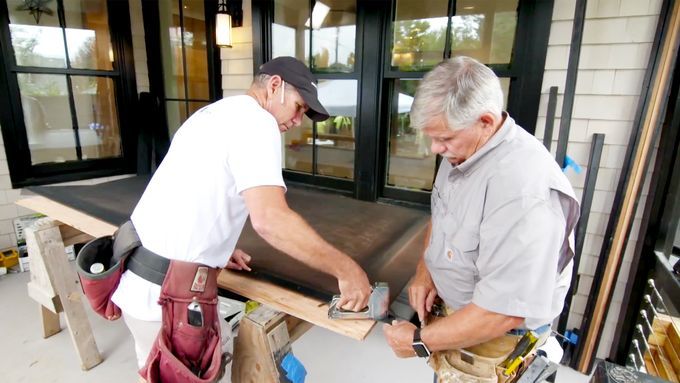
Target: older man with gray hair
{"x": 501, "y": 236}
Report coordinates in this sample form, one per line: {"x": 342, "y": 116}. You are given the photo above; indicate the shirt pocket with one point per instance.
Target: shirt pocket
{"x": 461, "y": 250}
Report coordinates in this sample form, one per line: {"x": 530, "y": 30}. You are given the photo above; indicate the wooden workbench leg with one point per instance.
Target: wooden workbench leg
{"x": 43, "y": 240}
{"x": 50, "y": 322}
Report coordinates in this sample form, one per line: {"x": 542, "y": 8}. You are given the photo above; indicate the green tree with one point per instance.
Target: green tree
{"x": 465, "y": 32}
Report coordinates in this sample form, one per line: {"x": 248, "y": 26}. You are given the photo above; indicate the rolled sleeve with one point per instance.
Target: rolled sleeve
{"x": 519, "y": 249}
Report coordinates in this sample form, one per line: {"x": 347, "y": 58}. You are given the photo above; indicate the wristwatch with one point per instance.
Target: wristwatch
{"x": 418, "y": 346}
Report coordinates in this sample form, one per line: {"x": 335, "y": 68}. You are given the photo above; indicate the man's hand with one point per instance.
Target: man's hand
{"x": 399, "y": 336}
{"x": 354, "y": 289}
{"x": 239, "y": 260}
{"x": 422, "y": 292}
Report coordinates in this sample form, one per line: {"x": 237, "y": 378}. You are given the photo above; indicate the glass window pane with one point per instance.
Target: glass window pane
{"x": 36, "y": 45}
{"x": 505, "y": 85}
{"x": 196, "y": 49}
{"x": 176, "y": 112}
{"x": 195, "y": 106}
{"x": 171, "y": 49}
{"x": 97, "y": 117}
{"x": 333, "y": 36}
{"x": 87, "y": 34}
{"x": 484, "y": 30}
{"x": 411, "y": 165}
{"x": 298, "y": 147}
{"x": 419, "y": 34}
{"x": 44, "y": 100}
{"x": 290, "y": 36}
{"x": 335, "y": 137}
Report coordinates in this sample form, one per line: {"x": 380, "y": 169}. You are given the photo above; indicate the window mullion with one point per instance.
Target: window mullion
{"x": 74, "y": 117}
{"x": 448, "y": 40}
{"x": 61, "y": 14}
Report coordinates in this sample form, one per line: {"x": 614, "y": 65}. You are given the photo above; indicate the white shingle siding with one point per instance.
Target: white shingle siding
{"x": 617, "y": 40}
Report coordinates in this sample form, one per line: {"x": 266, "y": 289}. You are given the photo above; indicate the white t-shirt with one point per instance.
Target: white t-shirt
{"x": 192, "y": 209}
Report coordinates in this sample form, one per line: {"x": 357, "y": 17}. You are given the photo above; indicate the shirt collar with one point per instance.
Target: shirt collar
{"x": 505, "y": 133}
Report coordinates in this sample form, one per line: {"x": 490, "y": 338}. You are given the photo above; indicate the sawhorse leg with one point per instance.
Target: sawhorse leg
{"x": 50, "y": 322}
{"x": 264, "y": 337}
{"x": 54, "y": 284}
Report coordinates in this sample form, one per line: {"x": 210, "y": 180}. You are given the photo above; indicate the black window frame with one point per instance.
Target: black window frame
{"x": 373, "y": 44}
{"x": 525, "y": 73}
{"x": 22, "y": 172}
{"x": 152, "y": 40}
{"x": 263, "y": 17}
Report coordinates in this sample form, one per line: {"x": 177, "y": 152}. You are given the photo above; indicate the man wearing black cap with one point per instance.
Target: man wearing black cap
{"x": 223, "y": 165}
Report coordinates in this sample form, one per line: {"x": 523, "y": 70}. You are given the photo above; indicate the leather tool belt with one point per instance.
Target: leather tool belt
{"x": 476, "y": 364}
{"x": 188, "y": 346}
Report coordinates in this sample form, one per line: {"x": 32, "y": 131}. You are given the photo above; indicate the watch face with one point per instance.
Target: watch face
{"x": 421, "y": 350}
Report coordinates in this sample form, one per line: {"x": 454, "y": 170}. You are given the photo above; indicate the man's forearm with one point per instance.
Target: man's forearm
{"x": 469, "y": 326}
{"x": 286, "y": 231}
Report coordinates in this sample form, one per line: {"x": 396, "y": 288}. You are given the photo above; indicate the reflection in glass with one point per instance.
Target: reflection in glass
{"x": 195, "y": 50}
{"x": 96, "y": 114}
{"x": 171, "y": 48}
{"x": 419, "y": 34}
{"x": 195, "y": 106}
{"x": 484, "y": 30}
{"x": 411, "y": 165}
{"x": 176, "y": 113}
{"x": 505, "y": 85}
{"x": 297, "y": 153}
{"x": 36, "y": 45}
{"x": 333, "y": 36}
{"x": 87, "y": 34}
{"x": 290, "y": 36}
{"x": 335, "y": 137}
{"x": 44, "y": 100}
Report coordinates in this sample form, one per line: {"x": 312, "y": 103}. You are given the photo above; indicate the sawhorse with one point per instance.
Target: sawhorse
{"x": 55, "y": 286}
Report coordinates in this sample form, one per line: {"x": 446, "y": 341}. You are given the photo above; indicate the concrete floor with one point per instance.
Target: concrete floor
{"x": 328, "y": 357}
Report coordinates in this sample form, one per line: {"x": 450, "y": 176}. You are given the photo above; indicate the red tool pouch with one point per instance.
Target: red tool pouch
{"x": 186, "y": 352}
{"x": 111, "y": 252}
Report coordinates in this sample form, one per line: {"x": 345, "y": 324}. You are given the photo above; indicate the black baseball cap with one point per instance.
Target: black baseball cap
{"x": 294, "y": 72}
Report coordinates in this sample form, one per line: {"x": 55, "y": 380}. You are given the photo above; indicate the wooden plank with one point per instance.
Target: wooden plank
{"x": 71, "y": 235}
{"x": 46, "y": 299}
{"x": 68, "y": 215}
{"x": 293, "y": 303}
{"x": 297, "y": 327}
{"x": 50, "y": 322}
{"x": 667, "y": 337}
{"x": 40, "y": 282}
{"x": 43, "y": 240}
{"x": 624, "y": 221}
